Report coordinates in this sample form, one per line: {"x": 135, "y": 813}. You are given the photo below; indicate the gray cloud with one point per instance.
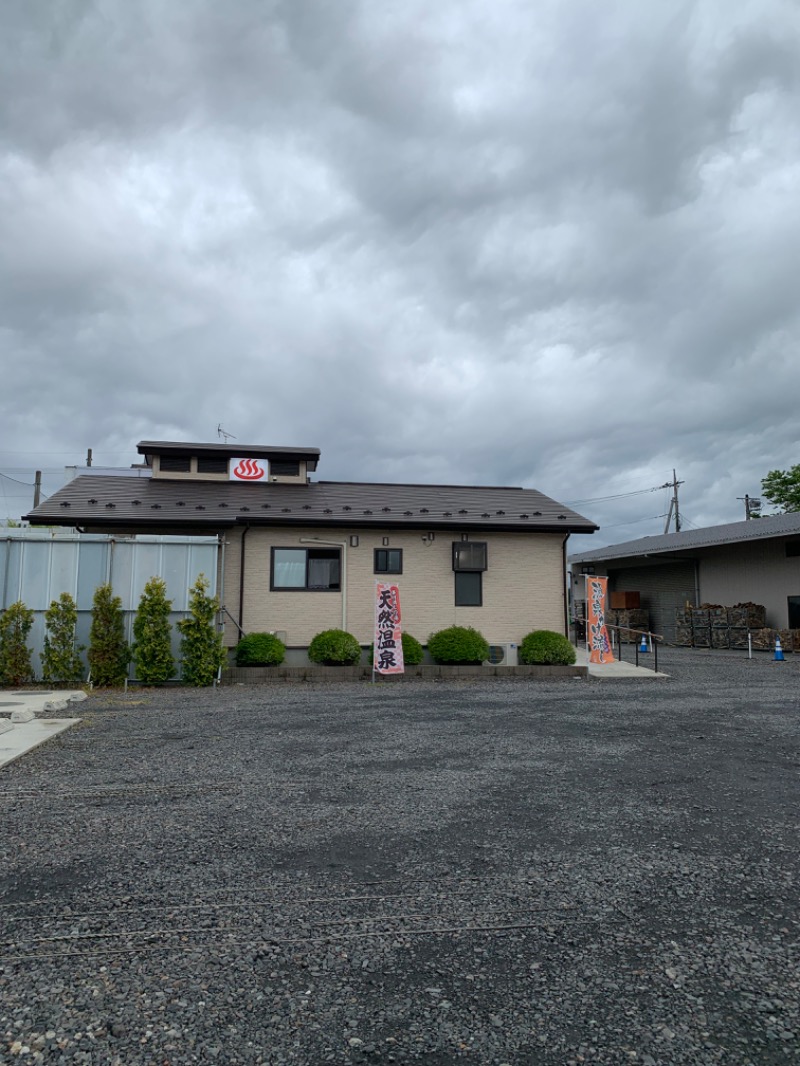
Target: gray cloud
{"x": 492, "y": 243}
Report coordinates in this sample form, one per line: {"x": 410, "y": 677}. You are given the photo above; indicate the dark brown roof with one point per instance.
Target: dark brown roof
{"x": 159, "y": 505}
{"x": 229, "y": 451}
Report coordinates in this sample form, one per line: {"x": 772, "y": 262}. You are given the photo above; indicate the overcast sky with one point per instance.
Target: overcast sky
{"x": 550, "y": 244}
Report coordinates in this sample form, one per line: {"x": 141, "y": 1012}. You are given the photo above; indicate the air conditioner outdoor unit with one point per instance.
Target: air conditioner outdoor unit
{"x": 502, "y": 655}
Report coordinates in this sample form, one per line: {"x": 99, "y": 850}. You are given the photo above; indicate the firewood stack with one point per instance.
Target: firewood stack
{"x": 711, "y": 625}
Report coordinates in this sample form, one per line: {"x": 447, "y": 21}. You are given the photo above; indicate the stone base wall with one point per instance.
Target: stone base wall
{"x": 259, "y": 675}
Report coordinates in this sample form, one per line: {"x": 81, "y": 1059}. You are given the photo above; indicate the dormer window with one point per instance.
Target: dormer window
{"x": 284, "y": 468}
{"x": 208, "y": 465}
{"x": 175, "y": 464}
{"x": 250, "y": 464}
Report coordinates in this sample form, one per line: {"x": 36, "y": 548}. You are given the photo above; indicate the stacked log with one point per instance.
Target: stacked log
{"x": 711, "y": 625}
{"x": 748, "y": 615}
{"x": 763, "y": 639}
{"x": 631, "y": 622}
{"x": 737, "y": 637}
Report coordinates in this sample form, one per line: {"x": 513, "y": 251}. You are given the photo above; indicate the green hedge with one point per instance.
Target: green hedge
{"x": 458, "y": 645}
{"x": 413, "y": 652}
{"x": 334, "y": 647}
{"x": 543, "y": 647}
{"x": 260, "y": 649}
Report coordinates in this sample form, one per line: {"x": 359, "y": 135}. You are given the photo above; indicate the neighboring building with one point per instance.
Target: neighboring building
{"x": 297, "y": 556}
{"x": 756, "y": 561}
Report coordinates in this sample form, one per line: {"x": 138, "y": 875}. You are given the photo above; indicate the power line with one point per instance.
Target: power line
{"x": 632, "y": 522}
{"x": 616, "y": 496}
{"x": 16, "y": 481}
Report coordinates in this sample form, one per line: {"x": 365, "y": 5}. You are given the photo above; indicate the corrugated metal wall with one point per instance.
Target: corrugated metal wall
{"x": 37, "y": 566}
{"x": 662, "y": 587}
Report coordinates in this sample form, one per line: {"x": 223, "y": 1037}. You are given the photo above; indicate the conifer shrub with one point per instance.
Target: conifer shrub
{"x": 543, "y": 647}
{"x": 458, "y": 646}
{"x": 61, "y": 658}
{"x": 202, "y": 653}
{"x": 152, "y": 644}
{"x": 260, "y": 649}
{"x": 15, "y": 655}
{"x": 109, "y": 653}
{"x": 334, "y": 647}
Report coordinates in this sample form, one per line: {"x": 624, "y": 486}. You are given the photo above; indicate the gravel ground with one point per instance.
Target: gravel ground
{"x": 506, "y": 872}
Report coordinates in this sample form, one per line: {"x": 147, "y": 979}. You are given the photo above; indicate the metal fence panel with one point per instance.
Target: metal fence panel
{"x": 36, "y": 566}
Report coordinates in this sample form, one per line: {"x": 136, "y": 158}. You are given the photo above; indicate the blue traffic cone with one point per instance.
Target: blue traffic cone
{"x": 778, "y": 651}
{"x": 643, "y": 645}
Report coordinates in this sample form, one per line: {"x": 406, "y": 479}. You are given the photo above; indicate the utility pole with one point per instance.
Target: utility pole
{"x": 37, "y": 488}
{"x": 752, "y": 506}
{"x": 673, "y": 503}
{"x": 88, "y": 456}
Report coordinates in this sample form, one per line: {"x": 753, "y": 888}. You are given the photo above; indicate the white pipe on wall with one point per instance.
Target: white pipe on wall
{"x": 335, "y": 544}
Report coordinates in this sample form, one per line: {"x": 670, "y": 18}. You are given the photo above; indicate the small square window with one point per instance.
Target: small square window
{"x": 388, "y": 560}
{"x": 209, "y": 465}
{"x": 469, "y": 555}
{"x": 174, "y": 464}
{"x": 469, "y": 588}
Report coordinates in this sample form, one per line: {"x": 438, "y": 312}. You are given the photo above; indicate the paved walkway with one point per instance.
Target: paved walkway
{"x": 616, "y": 670}
{"x": 21, "y": 730}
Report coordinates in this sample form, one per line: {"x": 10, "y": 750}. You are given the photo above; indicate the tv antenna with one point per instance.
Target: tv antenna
{"x": 223, "y": 435}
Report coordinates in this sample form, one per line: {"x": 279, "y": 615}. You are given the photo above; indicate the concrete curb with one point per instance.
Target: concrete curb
{"x": 258, "y": 675}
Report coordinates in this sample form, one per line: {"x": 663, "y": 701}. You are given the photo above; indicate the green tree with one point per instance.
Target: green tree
{"x": 782, "y": 487}
{"x": 201, "y": 645}
{"x": 109, "y": 653}
{"x": 61, "y": 658}
{"x": 152, "y": 645}
{"x": 15, "y": 655}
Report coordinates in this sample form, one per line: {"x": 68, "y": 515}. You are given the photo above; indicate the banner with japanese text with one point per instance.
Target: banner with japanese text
{"x": 596, "y": 631}
{"x": 388, "y": 654}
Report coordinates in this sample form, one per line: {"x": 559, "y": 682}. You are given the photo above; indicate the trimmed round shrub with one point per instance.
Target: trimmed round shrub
{"x": 413, "y": 652}
{"x": 543, "y": 647}
{"x": 260, "y": 649}
{"x": 458, "y": 646}
{"x": 334, "y": 647}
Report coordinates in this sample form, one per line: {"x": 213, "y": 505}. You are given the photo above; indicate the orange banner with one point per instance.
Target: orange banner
{"x": 596, "y": 631}
{"x": 388, "y": 655}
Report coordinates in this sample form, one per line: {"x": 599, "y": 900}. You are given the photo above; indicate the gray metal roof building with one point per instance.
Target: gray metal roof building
{"x": 754, "y": 561}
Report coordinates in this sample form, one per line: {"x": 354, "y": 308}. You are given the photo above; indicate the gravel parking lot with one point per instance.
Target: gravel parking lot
{"x": 507, "y": 872}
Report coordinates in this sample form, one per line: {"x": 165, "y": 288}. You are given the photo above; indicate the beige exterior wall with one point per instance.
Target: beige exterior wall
{"x": 758, "y": 572}
{"x": 523, "y": 588}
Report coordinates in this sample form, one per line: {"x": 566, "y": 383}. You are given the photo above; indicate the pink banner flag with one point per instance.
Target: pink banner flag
{"x": 596, "y": 631}
{"x": 388, "y": 654}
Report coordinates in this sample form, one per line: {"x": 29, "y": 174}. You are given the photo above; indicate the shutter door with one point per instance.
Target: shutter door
{"x": 662, "y": 588}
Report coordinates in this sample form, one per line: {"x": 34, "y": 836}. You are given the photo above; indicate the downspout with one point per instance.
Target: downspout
{"x": 221, "y": 571}
{"x": 4, "y": 602}
{"x": 697, "y": 582}
{"x": 566, "y": 598}
{"x": 220, "y": 593}
{"x": 245, "y": 531}
{"x": 335, "y": 544}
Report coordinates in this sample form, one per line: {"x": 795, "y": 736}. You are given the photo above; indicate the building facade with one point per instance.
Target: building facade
{"x": 297, "y": 556}
{"x": 756, "y": 561}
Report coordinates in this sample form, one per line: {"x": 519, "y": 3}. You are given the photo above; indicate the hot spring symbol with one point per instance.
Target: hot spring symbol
{"x": 248, "y": 470}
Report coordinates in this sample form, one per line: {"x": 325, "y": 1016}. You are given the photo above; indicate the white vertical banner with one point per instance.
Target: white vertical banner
{"x": 387, "y": 658}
